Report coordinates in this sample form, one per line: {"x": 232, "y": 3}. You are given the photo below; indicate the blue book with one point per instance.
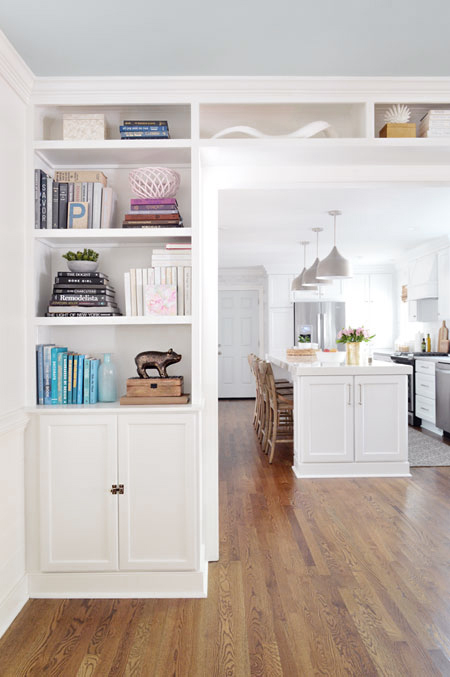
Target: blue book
{"x": 54, "y": 373}
{"x": 65, "y": 361}
{"x": 87, "y": 373}
{"x": 144, "y": 128}
{"x": 74, "y": 379}
{"x": 48, "y": 373}
{"x": 40, "y": 373}
{"x": 93, "y": 382}
{"x": 61, "y": 359}
{"x": 69, "y": 377}
{"x": 80, "y": 375}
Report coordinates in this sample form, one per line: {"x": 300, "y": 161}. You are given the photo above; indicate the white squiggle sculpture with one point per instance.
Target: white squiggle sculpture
{"x": 305, "y": 132}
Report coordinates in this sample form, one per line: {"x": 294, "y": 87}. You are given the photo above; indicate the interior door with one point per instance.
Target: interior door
{"x": 238, "y": 336}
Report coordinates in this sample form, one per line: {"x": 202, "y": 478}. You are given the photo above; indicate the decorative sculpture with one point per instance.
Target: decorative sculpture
{"x": 154, "y": 182}
{"x": 153, "y": 359}
{"x": 305, "y": 132}
{"x": 397, "y": 114}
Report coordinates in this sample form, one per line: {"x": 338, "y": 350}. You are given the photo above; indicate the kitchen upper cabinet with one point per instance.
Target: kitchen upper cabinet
{"x": 423, "y": 278}
{"x": 280, "y": 291}
{"x": 281, "y": 329}
{"x": 78, "y": 467}
{"x": 380, "y": 418}
{"x": 369, "y": 303}
{"x": 444, "y": 284}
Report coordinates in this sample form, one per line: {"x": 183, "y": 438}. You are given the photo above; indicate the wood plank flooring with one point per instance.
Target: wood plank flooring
{"x": 316, "y": 577}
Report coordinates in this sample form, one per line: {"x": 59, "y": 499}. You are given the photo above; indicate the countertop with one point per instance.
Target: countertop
{"x": 300, "y": 368}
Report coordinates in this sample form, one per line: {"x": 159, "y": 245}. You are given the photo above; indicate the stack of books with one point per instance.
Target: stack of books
{"x": 64, "y": 377}
{"x": 82, "y": 295}
{"x": 153, "y": 213}
{"x": 163, "y": 289}
{"x": 144, "y": 129}
{"x": 435, "y": 123}
{"x": 53, "y": 196}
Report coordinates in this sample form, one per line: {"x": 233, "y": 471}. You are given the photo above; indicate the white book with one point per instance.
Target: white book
{"x": 144, "y": 284}
{"x": 97, "y": 205}
{"x": 180, "y": 290}
{"x": 49, "y": 202}
{"x": 90, "y": 199}
{"x": 133, "y": 291}
{"x": 168, "y": 275}
{"x": 108, "y": 204}
{"x": 157, "y": 270}
{"x": 127, "y": 291}
{"x": 139, "y": 292}
{"x": 187, "y": 291}
{"x": 151, "y": 276}
{"x": 176, "y": 245}
{"x": 173, "y": 261}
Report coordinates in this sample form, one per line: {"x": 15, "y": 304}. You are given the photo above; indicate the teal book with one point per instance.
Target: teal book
{"x": 65, "y": 364}
{"x": 69, "y": 377}
{"x": 80, "y": 377}
{"x": 48, "y": 373}
{"x": 87, "y": 374}
{"x": 93, "y": 382}
{"x": 60, "y": 360}
{"x": 74, "y": 379}
{"x": 54, "y": 373}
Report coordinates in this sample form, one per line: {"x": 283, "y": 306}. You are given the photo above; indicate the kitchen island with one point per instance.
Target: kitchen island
{"x": 349, "y": 421}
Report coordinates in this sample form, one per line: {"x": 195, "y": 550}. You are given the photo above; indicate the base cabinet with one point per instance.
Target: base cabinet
{"x": 118, "y": 493}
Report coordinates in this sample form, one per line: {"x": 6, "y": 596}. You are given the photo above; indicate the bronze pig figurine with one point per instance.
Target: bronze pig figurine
{"x": 153, "y": 359}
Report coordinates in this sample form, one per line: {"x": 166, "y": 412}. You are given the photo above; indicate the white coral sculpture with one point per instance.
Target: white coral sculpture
{"x": 397, "y": 113}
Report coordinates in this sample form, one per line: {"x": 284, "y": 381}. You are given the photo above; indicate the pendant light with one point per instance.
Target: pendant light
{"x": 334, "y": 266}
{"x": 297, "y": 283}
{"x": 310, "y": 276}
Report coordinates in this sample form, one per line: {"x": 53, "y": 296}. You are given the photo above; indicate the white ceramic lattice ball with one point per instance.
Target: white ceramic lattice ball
{"x": 154, "y": 182}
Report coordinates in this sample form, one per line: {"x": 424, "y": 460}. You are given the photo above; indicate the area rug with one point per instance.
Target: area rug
{"x": 426, "y": 451}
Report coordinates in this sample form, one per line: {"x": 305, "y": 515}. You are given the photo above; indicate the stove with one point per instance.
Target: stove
{"x": 415, "y": 355}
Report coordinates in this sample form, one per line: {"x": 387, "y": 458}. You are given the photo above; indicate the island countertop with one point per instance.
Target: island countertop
{"x": 301, "y": 368}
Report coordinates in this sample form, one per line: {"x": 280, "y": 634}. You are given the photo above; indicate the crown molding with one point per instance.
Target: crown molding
{"x": 60, "y": 90}
{"x": 14, "y": 70}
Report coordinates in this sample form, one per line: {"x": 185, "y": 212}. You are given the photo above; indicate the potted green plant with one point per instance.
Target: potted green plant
{"x": 82, "y": 262}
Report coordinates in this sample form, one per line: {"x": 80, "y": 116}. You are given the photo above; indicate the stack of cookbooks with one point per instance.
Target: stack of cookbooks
{"x": 144, "y": 129}
{"x": 82, "y": 295}
{"x": 435, "y": 123}
{"x": 153, "y": 213}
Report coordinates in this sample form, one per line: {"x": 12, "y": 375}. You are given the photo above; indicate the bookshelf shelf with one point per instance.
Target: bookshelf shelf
{"x": 114, "y": 152}
{"x": 111, "y": 236}
{"x": 121, "y": 320}
{"x": 109, "y": 408}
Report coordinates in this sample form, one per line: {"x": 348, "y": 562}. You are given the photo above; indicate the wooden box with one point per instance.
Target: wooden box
{"x": 393, "y": 130}
{"x": 155, "y": 387}
{"x": 83, "y": 126}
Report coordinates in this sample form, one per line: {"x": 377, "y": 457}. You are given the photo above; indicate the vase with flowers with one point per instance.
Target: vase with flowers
{"x": 353, "y": 339}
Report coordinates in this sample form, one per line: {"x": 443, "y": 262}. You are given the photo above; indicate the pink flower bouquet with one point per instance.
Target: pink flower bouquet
{"x": 350, "y": 335}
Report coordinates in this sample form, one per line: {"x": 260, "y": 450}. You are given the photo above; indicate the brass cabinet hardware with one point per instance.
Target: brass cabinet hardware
{"x": 117, "y": 489}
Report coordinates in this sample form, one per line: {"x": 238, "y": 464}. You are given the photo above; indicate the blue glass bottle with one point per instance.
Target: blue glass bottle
{"x": 107, "y": 391}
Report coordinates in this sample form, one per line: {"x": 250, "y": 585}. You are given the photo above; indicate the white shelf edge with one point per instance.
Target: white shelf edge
{"x": 111, "y": 233}
{"x": 109, "y": 407}
{"x": 339, "y": 141}
{"x": 110, "y": 144}
{"x": 121, "y": 320}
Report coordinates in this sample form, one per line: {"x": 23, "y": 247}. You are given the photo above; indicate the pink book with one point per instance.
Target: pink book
{"x": 153, "y": 201}
{"x": 160, "y": 299}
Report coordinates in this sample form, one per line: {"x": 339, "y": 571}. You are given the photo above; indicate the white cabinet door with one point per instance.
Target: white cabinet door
{"x": 381, "y": 418}
{"x": 158, "y": 512}
{"x": 356, "y": 296}
{"x": 281, "y": 329}
{"x": 444, "y": 284}
{"x": 280, "y": 290}
{"x": 78, "y": 466}
{"x": 326, "y": 413}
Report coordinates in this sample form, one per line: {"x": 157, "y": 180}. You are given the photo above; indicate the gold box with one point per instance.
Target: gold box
{"x": 393, "y": 130}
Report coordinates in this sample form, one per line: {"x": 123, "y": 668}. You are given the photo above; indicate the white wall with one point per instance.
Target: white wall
{"x": 12, "y": 351}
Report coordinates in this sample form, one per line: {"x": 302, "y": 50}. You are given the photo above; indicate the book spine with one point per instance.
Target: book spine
{"x": 70, "y": 192}
{"x": 63, "y": 204}
{"x": 77, "y": 191}
{"x": 80, "y": 379}
{"x": 131, "y": 123}
{"x": 145, "y": 135}
{"x": 97, "y": 206}
{"x": 91, "y": 298}
{"x": 163, "y": 274}
{"x": 153, "y": 201}
{"x": 180, "y": 290}
{"x": 157, "y": 270}
{"x": 73, "y": 176}
{"x": 93, "y": 382}
{"x": 47, "y": 374}
{"x": 144, "y": 284}
{"x": 127, "y": 293}
{"x": 49, "y": 202}
{"x": 54, "y": 375}
{"x": 133, "y": 291}
{"x": 40, "y": 374}
{"x": 84, "y": 191}
{"x": 65, "y": 273}
{"x": 65, "y": 361}
{"x": 139, "y": 308}
{"x": 55, "y": 205}
{"x": 75, "y": 379}
{"x": 151, "y": 276}
{"x": 37, "y": 198}
{"x": 81, "y": 289}
{"x": 143, "y": 128}
{"x": 137, "y": 210}
{"x": 69, "y": 378}
{"x": 90, "y": 199}
{"x": 43, "y": 222}
{"x": 59, "y": 377}
{"x": 187, "y": 290}
{"x": 87, "y": 374}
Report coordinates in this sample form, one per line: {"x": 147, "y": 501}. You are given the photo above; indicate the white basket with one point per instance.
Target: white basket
{"x": 154, "y": 182}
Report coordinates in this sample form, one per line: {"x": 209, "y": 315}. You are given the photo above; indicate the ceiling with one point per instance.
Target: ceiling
{"x": 378, "y": 224}
{"x": 255, "y": 37}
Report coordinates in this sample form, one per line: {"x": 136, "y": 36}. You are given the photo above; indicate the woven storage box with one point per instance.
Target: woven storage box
{"x": 83, "y": 126}
{"x": 395, "y": 130}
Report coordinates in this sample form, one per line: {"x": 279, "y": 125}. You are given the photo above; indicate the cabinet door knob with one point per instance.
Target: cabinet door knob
{"x": 117, "y": 489}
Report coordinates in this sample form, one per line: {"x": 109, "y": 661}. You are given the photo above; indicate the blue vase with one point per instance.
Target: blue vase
{"x": 107, "y": 391}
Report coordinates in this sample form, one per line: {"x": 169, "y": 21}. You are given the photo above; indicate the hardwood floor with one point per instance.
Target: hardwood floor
{"x": 316, "y": 577}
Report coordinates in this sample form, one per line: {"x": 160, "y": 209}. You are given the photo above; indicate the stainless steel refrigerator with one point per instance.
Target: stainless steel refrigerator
{"x": 320, "y": 321}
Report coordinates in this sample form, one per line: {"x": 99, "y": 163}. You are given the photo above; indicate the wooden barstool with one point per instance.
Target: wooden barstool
{"x": 280, "y": 428}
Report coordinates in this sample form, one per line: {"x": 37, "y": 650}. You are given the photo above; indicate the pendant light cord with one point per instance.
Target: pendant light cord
{"x": 334, "y": 229}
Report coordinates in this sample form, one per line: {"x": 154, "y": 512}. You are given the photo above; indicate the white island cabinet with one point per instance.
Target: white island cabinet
{"x": 349, "y": 421}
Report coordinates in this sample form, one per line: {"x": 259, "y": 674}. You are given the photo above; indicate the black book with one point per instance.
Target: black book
{"x": 43, "y": 215}
{"x": 92, "y": 303}
{"x": 91, "y": 298}
{"x": 69, "y": 273}
{"x": 37, "y": 198}
{"x": 63, "y": 288}
{"x": 55, "y": 205}
{"x": 81, "y": 314}
{"x": 81, "y": 282}
{"x": 63, "y": 204}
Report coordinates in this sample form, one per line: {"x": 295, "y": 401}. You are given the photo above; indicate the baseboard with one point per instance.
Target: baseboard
{"x": 153, "y": 584}
{"x": 13, "y": 603}
{"x": 336, "y": 470}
